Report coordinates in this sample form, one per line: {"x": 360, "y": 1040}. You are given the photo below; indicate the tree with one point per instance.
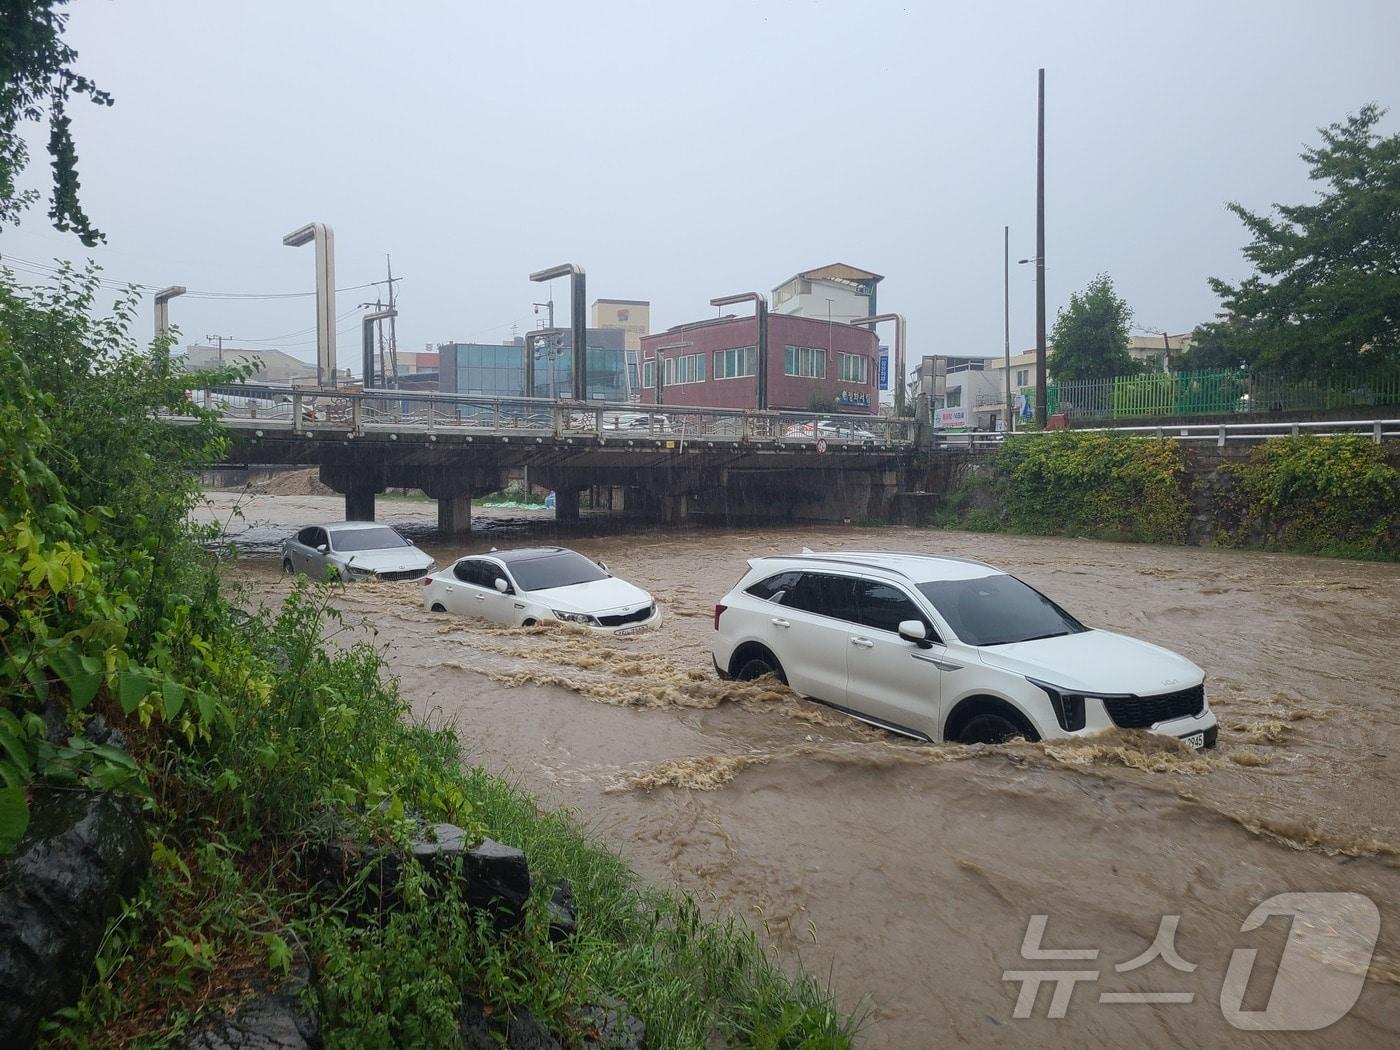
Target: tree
{"x": 1090, "y": 336}
{"x": 1325, "y": 294}
{"x": 37, "y": 81}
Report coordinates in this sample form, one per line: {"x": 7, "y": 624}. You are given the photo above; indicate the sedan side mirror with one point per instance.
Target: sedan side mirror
{"x": 914, "y": 631}
{"x": 323, "y": 548}
{"x": 603, "y": 565}
{"x": 502, "y": 586}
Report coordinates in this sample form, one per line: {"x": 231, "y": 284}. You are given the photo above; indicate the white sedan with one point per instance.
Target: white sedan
{"x": 520, "y": 588}
{"x": 353, "y": 550}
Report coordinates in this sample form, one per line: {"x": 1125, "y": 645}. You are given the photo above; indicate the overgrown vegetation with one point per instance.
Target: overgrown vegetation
{"x": 1336, "y": 495}
{"x": 1067, "y": 484}
{"x": 251, "y": 739}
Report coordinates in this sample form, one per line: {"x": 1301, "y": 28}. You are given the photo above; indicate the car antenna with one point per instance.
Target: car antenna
{"x": 808, "y": 550}
{"x": 491, "y": 551}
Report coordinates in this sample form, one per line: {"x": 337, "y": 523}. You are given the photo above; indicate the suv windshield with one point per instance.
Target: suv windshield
{"x": 379, "y": 539}
{"x": 998, "y": 610}
{"x": 563, "y": 569}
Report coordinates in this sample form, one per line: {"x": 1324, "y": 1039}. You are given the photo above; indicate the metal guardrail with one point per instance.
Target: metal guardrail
{"x": 1219, "y": 434}
{"x": 405, "y": 411}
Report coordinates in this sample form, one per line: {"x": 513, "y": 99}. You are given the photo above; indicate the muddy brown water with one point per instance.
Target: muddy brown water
{"x": 907, "y": 874}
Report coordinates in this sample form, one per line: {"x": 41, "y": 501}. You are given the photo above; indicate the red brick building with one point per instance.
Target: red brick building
{"x": 813, "y": 365}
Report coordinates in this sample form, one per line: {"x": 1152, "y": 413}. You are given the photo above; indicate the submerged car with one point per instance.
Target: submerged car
{"x": 830, "y": 429}
{"x": 354, "y": 550}
{"x": 533, "y": 585}
{"x": 942, "y": 648}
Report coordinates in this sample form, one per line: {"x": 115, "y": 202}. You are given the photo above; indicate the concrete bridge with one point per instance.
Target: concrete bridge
{"x": 669, "y": 464}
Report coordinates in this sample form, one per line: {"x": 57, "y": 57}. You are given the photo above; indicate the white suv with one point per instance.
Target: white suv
{"x": 948, "y": 649}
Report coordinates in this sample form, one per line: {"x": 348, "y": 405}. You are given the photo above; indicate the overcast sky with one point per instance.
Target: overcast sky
{"x": 683, "y": 151}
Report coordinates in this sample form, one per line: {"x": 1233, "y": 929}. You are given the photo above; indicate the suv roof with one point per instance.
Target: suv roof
{"x": 918, "y": 568}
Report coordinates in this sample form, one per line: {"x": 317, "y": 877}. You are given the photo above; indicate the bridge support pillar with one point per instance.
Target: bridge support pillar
{"x": 359, "y": 504}
{"x": 566, "y": 504}
{"x": 454, "y": 514}
{"x": 675, "y": 508}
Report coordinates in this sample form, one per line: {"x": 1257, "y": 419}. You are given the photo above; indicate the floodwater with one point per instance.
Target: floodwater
{"x": 907, "y": 874}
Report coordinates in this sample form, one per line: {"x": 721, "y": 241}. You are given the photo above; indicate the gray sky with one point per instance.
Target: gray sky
{"x": 680, "y": 152}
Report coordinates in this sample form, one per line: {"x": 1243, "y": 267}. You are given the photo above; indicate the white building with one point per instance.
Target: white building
{"x": 838, "y": 292}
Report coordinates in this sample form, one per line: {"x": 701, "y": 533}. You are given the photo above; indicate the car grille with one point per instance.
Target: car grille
{"x": 1139, "y": 712}
{"x": 406, "y": 574}
{"x": 632, "y": 617}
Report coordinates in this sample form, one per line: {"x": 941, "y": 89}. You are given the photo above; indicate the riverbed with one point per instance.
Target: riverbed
{"x": 907, "y": 874}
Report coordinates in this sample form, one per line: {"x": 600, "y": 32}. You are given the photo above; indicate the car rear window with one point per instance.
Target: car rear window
{"x": 383, "y": 538}
{"x": 564, "y": 569}
{"x": 998, "y": 610}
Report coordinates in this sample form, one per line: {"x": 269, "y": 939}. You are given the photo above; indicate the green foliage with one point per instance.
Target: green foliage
{"x": 36, "y": 76}
{"x": 1090, "y": 336}
{"x": 1325, "y": 294}
{"x": 1326, "y": 495}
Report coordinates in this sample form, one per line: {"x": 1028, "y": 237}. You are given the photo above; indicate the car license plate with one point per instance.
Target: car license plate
{"x": 1194, "y": 740}
{"x": 638, "y": 630}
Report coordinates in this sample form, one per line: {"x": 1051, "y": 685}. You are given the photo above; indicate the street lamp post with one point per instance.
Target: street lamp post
{"x": 760, "y": 303}
{"x": 578, "y": 315}
{"x": 900, "y": 332}
{"x": 163, "y": 298}
{"x": 367, "y": 342}
{"x": 1006, "y": 319}
{"x": 1041, "y": 394}
{"x": 324, "y": 238}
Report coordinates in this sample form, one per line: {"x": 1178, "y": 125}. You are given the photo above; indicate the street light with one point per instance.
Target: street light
{"x": 578, "y": 319}
{"x": 367, "y": 343}
{"x": 760, "y": 313}
{"x": 324, "y": 238}
{"x": 163, "y": 297}
{"x": 900, "y": 331}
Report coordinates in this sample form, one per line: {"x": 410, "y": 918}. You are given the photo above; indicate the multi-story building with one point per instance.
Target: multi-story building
{"x": 631, "y": 316}
{"x": 498, "y": 370}
{"x": 813, "y": 365}
{"x": 837, "y": 292}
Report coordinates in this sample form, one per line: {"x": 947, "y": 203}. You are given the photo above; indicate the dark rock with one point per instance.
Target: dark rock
{"x": 497, "y": 878}
{"x": 83, "y": 852}
{"x": 522, "y": 1031}
{"x": 277, "y": 1021}
{"x": 611, "y": 1026}
{"x": 99, "y": 732}
{"x": 562, "y": 920}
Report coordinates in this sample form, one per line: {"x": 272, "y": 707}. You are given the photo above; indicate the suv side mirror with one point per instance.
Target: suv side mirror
{"x": 603, "y": 565}
{"x": 502, "y": 586}
{"x": 914, "y": 631}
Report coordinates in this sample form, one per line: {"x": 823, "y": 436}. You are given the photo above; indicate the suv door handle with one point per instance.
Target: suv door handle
{"x": 864, "y": 643}
{"x": 780, "y": 623}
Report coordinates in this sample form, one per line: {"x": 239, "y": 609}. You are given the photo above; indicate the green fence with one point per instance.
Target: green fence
{"x": 1218, "y": 392}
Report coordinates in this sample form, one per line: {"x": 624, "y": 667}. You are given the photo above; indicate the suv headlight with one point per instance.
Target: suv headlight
{"x": 1069, "y": 707}
{"x": 573, "y": 617}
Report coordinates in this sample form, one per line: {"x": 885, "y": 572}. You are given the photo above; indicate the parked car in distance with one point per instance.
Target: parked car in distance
{"x": 830, "y": 429}
{"x": 520, "y": 588}
{"x": 944, "y": 648}
{"x": 354, "y": 550}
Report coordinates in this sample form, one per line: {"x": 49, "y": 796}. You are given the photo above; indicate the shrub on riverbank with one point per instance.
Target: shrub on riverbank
{"x": 250, "y": 741}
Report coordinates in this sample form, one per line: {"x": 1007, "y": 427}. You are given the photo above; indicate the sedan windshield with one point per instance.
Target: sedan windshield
{"x": 563, "y": 569}
{"x": 366, "y": 539}
{"x": 998, "y": 610}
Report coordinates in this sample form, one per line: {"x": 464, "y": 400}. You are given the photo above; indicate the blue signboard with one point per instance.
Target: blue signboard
{"x": 884, "y": 368}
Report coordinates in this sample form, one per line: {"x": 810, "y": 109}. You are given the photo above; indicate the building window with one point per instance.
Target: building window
{"x": 731, "y": 364}
{"x": 804, "y": 362}
{"x": 649, "y": 374}
{"x": 687, "y": 369}
{"x": 1023, "y": 376}
{"x": 853, "y": 368}
{"x": 954, "y": 398}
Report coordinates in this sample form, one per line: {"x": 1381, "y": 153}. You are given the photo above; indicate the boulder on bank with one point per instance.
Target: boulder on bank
{"x": 84, "y": 851}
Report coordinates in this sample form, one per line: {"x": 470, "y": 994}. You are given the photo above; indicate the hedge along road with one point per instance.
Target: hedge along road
{"x": 909, "y": 873}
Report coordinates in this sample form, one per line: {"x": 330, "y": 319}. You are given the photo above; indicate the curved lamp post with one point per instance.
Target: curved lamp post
{"x": 578, "y": 318}
{"x": 899, "y": 335}
{"x": 324, "y": 238}
{"x": 760, "y": 307}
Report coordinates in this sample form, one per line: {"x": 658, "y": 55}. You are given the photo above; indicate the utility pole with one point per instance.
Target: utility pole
{"x": 1041, "y": 394}
{"x": 1006, "y": 318}
{"x": 220, "y": 340}
{"x": 393, "y": 318}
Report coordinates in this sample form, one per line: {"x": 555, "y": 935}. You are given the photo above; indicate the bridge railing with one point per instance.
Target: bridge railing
{"x": 310, "y": 409}
{"x": 1220, "y": 434}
